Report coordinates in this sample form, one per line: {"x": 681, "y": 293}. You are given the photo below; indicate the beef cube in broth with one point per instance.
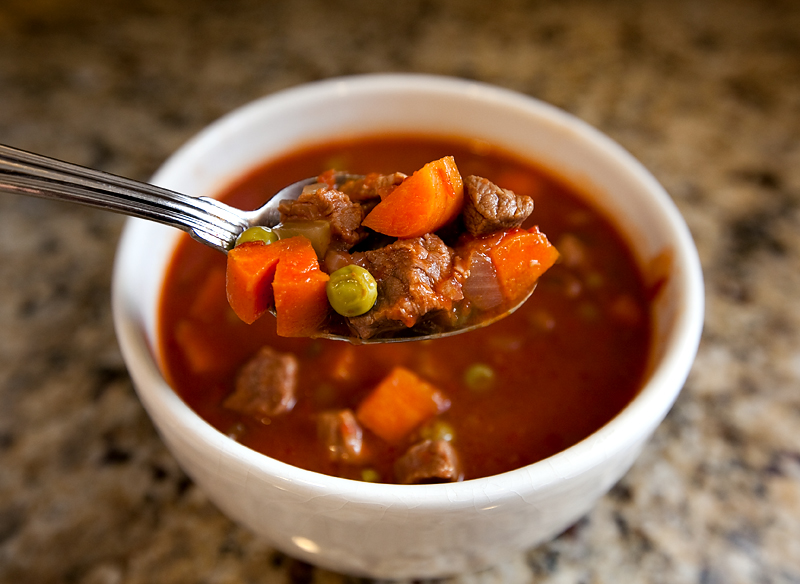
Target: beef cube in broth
{"x": 265, "y": 385}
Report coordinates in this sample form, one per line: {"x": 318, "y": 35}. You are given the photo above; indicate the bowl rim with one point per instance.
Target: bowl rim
{"x": 657, "y": 395}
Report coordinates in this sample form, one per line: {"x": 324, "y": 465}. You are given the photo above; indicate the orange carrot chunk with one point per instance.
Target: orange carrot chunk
{"x": 423, "y": 203}
{"x": 208, "y": 304}
{"x": 401, "y": 402}
{"x": 248, "y": 279}
{"x": 200, "y": 347}
{"x": 520, "y": 258}
{"x": 284, "y": 274}
{"x": 301, "y": 302}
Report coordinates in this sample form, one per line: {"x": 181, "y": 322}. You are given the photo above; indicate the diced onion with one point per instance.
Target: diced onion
{"x": 313, "y": 188}
{"x": 317, "y": 232}
{"x": 481, "y": 288}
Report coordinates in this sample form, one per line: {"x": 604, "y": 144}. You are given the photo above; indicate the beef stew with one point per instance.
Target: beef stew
{"x": 484, "y": 402}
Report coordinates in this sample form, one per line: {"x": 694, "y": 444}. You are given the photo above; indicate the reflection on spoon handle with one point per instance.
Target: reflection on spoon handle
{"x": 205, "y": 219}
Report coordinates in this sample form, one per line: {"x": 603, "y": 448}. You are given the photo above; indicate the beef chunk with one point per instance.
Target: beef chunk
{"x": 341, "y": 435}
{"x": 415, "y": 279}
{"x": 330, "y": 205}
{"x": 489, "y": 208}
{"x": 265, "y": 385}
{"x": 372, "y": 186}
{"x": 429, "y": 461}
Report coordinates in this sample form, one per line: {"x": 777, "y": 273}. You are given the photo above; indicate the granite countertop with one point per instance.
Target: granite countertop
{"x": 705, "y": 94}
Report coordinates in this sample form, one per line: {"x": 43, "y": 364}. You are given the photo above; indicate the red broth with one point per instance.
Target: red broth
{"x": 565, "y": 363}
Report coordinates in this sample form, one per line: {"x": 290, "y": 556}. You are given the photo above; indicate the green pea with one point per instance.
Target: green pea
{"x": 589, "y": 312}
{"x": 314, "y": 348}
{"x": 594, "y": 280}
{"x": 479, "y": 377}
{"x": 370, "y": 475}
{"x": 257, "y": 233}
{"x": 352, "y": 290}
{"x": 437, "y": 430}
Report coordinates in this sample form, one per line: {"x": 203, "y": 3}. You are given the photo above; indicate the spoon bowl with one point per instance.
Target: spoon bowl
{"x": 413, "y": 334}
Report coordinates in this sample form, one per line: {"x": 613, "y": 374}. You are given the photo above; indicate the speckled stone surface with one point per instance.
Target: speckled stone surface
{"x": 706, "y": 94}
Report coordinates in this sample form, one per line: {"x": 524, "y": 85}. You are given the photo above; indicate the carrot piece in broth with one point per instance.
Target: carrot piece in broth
{"x": 401, "y": 402}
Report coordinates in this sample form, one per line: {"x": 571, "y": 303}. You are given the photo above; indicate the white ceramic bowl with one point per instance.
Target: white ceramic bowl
{"x": 393, "y": 530}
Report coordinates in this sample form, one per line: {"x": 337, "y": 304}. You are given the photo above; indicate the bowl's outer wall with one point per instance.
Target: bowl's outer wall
{"x": 389, "y": 530}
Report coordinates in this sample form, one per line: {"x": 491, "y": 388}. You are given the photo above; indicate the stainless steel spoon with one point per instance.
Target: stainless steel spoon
{"x": 207, "y": 220}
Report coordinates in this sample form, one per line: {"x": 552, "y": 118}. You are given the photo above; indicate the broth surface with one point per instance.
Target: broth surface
{"x": 565, "y": 363}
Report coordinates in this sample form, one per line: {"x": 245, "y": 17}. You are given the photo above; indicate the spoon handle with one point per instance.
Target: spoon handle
{"x": 206, "y": 220}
